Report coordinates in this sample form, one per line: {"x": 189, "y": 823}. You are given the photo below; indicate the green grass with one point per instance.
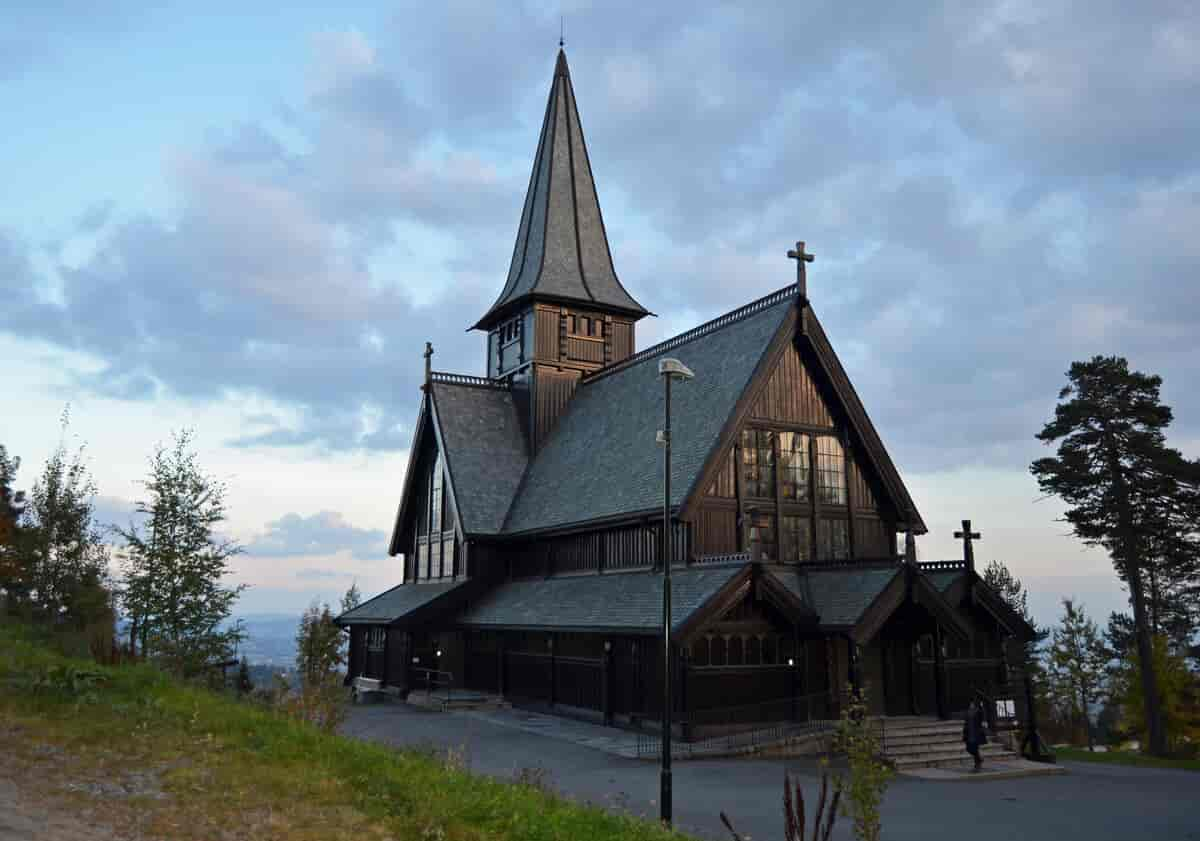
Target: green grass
{"x": 233, "y": 768}
{"x": 1121, "y": 757}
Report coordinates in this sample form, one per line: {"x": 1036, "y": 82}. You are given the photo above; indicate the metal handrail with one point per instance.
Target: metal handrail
{"x": 437, "y": 679}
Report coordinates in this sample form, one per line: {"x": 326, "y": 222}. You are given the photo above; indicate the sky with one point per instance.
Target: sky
{"x": 247, "y": 223}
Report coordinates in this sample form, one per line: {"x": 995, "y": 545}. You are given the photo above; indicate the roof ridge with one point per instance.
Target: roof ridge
{"x": 721, "y": 321}
{"x": 470, "y": 380}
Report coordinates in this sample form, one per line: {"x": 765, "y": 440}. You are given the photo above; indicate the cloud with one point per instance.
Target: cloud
{"x": 324, "y": 533}
{"x": 992, "y": 190}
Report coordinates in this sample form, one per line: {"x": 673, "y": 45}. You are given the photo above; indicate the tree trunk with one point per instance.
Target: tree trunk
{"x": 1145, "y": 647}
{"x": 1155, "y": 734}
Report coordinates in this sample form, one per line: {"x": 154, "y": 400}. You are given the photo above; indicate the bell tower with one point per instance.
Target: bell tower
{"x": 563, "y": 312}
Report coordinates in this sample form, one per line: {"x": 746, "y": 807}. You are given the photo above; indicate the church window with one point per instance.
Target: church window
{"x": 717, "y": 657}
{"x": 700, "y": 651}
{"x": 448, "y": 557}
{"x": 793, "y": 463}
{"x": 423, "y": 559}
{"x": 735, "y": 651}
{"x": 758, "y": 463}
{"x": 435, "y": 505}
{"x": 795, "y": 538}
{"x": 375, "y": 639}
{"x": 833, "y": 540}
{"x": 598, "y": 328}
{"x": 585, "y": 328}
{"x": 831, "y": 471}
{"x": 572, "y": 324}
{"x": 762, "y": 537}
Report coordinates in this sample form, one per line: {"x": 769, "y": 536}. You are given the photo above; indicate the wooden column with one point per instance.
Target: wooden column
{"x": 814, "y": 503}
{"x": 847, "y": 473}
{"x": 553, "y": 682}
{"x": 681, "y": 697}
{"x": 939, "y": 671}
{"x": 606, "y": 682}
{"x": 501, "y": 671}
{"x": 739, "y": 493}
{"x": 852, "y": 665}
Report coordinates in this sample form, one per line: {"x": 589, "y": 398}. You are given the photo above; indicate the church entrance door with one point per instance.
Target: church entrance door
{"x": 897, "y": 667}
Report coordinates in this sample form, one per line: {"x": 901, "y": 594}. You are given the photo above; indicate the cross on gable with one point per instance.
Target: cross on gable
{"x": 967, "y": 536}
{"x": 801, "y": 257}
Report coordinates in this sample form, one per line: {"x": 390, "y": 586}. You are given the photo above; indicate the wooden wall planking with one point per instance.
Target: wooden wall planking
{"x": 791, "y": 395}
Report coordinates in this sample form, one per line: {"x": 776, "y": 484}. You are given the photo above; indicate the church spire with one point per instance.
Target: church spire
{"x": 562, "y": 252}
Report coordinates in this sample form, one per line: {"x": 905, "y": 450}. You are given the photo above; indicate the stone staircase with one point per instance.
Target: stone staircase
{"x": 926, "y": 742}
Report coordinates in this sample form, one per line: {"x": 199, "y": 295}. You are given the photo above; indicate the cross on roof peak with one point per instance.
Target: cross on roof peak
{"x": 967, "y": 537}
{"x": 801, "y": 257}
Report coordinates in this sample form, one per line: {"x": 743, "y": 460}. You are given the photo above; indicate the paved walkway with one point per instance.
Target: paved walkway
{"x": 1092, "y": 802}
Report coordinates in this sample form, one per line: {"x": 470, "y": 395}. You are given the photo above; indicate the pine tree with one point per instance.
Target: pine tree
{"x": 1076, "y": 665}
{"x": 1126, "y": 490}
{"x": 175, "y": 564}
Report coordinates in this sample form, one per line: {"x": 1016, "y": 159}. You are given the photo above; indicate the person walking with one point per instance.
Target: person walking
{"x": 974, "y": 733}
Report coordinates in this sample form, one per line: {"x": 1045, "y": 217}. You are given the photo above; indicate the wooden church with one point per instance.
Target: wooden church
{"x": 531, "y": 522}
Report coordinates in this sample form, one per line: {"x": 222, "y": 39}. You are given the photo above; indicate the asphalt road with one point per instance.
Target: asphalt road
{"x": 1092, "y": 803}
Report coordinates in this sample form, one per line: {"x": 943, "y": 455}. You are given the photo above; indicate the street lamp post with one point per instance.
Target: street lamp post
{"x": 669, "y": 369}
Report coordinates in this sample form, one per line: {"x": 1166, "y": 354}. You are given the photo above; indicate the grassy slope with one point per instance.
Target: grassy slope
{"x": 1119, "y": 757}
{"x": 228, "y": 769}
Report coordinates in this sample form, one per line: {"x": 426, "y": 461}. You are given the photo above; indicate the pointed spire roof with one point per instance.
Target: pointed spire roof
{"x": 562, "y": 251}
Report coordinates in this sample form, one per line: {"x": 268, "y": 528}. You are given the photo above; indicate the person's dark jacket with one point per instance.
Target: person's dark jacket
{"x": 974, "y": 733}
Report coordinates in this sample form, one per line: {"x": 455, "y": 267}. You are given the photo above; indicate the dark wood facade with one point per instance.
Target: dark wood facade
{"x": 796, "y": 499}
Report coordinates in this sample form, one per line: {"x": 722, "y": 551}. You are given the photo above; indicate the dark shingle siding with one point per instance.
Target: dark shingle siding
{"x": 485, "y": 448}
{"x": 602, "y": 460}
{"x": 627, "y": 600}
{"x": 392, "y": 604}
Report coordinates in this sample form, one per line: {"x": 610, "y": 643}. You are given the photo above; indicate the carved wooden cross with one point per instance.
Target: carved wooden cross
{"x": 966, "y": 536}
{"x": 801, "y": 257}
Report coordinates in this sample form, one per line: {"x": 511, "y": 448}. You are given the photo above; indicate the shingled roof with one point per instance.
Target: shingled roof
{"x": 624, "y": 601}
{"x": 562, "y": 250}
{"x": 838, "y": 595}
{"x": 397, "y": 602}
{"x": 602, "y": 460}
{"x": 484, "y": 448}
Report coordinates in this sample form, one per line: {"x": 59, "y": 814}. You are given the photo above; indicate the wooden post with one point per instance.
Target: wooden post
{"x": 553, "y": 682}
{"x": 501, "y": 683}
{"x": 847, "y": 472}
{"x": 606, "y": 682}
{"x": 852, "y": 666}
{"x": 682, "y": 696}
{"x": 939, "y": 671}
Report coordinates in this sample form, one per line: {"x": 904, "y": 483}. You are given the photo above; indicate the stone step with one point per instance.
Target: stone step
{"x": 944, "y": 759}
{"x": 927, "y": 750}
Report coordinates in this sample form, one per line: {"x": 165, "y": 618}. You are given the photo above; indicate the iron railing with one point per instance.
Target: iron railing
{"x": 436, "y": 681}
{"x": 745, "y": 728}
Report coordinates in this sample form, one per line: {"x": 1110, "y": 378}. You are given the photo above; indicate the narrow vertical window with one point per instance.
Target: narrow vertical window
{"x": 831, "y": 471}
{"x": 793, "y": 465}
{"x": 758, "y": 463}
{"x": 795, "y": 539}
{"x": 435, "y": 503}
{"x": 762, "y": 538}
{"x": 833, "y": 540}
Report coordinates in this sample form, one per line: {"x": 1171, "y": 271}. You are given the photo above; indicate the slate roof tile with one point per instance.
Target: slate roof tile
{"x": 627, "y": 601}
{"x": 602, "y": 458}
{"x": 485, "y": 451}
{"x": 395, "y": 603}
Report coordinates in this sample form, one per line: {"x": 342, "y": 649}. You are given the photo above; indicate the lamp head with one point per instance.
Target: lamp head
{"x": 673, "y": 368}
